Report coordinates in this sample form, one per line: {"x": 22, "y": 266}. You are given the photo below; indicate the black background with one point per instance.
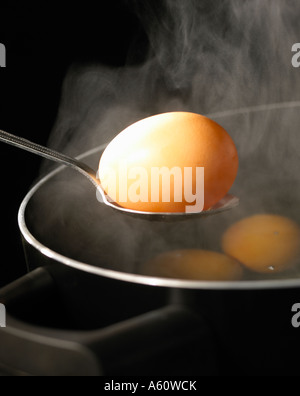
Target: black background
{"x": 41, "y": 44}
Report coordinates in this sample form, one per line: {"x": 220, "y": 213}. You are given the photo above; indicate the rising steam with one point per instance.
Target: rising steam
{"x": 205, "y": 57}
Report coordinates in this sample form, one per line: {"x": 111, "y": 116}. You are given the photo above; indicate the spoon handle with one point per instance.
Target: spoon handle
{"x": 49, "y": 154}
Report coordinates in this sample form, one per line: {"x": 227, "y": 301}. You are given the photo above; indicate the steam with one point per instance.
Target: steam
{"x": 205, "y": 57}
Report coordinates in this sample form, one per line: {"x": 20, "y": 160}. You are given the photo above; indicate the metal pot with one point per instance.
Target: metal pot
{"x": 85, "y": 264}
{"x": 61, "y": 218}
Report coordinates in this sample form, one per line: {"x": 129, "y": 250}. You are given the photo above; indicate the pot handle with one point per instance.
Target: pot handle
{"x": 170, "y": 341}
{"x": 173, "y": 340}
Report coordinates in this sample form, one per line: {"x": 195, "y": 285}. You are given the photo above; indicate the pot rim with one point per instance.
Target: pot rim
{"x": 146, "y": 280}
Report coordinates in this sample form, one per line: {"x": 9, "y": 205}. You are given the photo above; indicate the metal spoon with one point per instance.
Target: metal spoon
{"x": 227, "y": 203}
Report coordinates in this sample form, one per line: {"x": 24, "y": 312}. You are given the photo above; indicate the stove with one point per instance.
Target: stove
{"x": 57, "y": 324}
{"x": 53, "y": 329}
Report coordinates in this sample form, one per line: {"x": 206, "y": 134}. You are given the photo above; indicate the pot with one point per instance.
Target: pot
{"x": 62, "y": 219}
{"x": 87, "y": 261}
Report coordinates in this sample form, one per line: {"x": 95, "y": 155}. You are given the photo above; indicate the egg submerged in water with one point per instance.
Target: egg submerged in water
{"x": 193, "y": 264}
{"x": 173, "y": 162}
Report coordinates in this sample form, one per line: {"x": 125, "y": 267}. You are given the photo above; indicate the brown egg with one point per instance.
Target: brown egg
{"x": 177, "y": 146}
{"x": 195, "y": 264}
{"x": 264, "y": 243}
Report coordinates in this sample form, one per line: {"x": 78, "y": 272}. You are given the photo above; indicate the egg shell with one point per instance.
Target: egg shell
{"x": 193, "y": 264}
{"x": 172, "y": 140}
{"x": 264, "y": 243}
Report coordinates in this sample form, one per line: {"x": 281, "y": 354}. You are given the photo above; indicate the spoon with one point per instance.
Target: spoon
{"x": 227, "y": 203}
